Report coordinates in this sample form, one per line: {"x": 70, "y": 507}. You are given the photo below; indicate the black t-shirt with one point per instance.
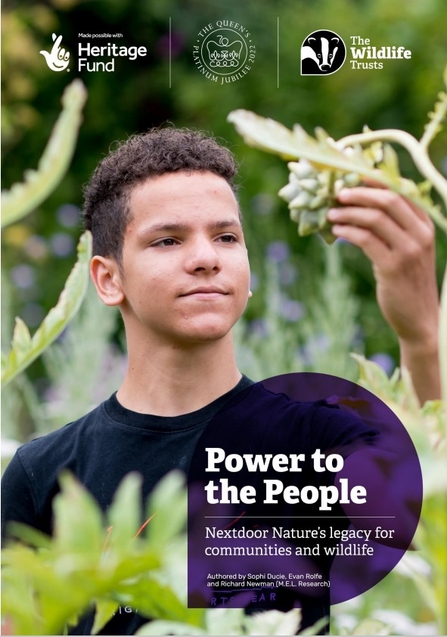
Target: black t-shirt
{"x": 100, "y": 449}
{"x": 111, "y": 441}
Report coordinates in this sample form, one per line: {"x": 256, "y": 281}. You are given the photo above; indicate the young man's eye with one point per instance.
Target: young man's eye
{"x": 228, "y": 238}
{"x": 165, "y": 243}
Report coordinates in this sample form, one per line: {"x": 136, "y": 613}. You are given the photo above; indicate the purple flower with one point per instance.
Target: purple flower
{"x": 385, "y": 361}
{"x": 291, "y": 310}
{"x": 287, "y": 274}
{"x": 316, "y": 344}
{"x": 170, "y": 46}
{"x": 62, "y": 244}
{"x": 23, "y": 276}
{"x": 68, "y": 215}
{"x": 258, "y": 327}
{"x": 278, "y": 251}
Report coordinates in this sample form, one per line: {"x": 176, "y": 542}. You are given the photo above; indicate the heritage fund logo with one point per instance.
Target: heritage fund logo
{"x": 93, "y": 55}
{"x": 58, "y": 58}
{"x": 224, "y": 51}
{"x": 323, "y": 52}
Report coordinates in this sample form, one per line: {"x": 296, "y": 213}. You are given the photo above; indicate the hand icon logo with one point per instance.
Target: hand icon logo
{"x": 58, "y": 59}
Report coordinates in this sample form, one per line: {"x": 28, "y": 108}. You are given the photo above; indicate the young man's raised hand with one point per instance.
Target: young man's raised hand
{"x": 398, "y": 238}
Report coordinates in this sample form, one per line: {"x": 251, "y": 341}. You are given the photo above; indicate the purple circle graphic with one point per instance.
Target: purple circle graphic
{"x": 305, "y": 490}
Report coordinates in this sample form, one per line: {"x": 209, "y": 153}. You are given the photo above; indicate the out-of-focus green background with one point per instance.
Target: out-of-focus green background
{"x": 166, "y": 86}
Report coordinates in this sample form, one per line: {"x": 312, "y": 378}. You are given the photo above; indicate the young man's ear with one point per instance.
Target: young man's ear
{"x": 106, "y": 277}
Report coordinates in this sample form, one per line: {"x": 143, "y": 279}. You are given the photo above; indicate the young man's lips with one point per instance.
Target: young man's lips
{"x": 204, "y": 291}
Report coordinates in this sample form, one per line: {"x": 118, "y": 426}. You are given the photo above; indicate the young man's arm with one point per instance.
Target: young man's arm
{"x": 17, "y": 499}
{"x": 398, "y": 238}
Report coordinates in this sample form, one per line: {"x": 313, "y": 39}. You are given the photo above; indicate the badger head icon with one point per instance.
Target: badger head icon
{"x": 322, "y": 53}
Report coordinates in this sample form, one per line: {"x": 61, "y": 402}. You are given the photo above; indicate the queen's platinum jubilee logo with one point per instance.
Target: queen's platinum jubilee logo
{"x": 224, "y": 51}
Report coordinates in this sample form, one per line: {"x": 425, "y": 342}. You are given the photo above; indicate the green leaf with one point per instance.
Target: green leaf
{"x": 37, "y": 185}
{"x": 104, "y": 612}
{"x": 273, "y": 137}
{"x": 124, "y": 514}
{"x": 435, "y": 119}
{"x": 157, "y": 600}
{"x": 56, "y": 595}
{"x": 21, "y": 336}
{"x": 167, "y": 510}
{"x": 78, "y": 520}
{"x": 316, "y": 628}
{"x": 390, "y": 163}
{"x": 25, "y": 350}
{"x": 122, "y": 566}
{"x": 28, "y": 535}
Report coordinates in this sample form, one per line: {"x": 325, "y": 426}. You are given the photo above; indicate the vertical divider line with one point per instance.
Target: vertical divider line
{"x": 170, "y": 56}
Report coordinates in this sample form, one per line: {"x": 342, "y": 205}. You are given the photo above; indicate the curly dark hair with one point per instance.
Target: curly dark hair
{"x": 161, "y": 150}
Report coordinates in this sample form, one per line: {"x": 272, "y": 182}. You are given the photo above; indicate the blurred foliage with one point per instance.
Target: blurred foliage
{"x": 24, "y": 197}
{"x": 101, "y": 563}
{"x": 412, "y": 597}
{"x": 16, "y": 204}
{"x": 24, "y": 348}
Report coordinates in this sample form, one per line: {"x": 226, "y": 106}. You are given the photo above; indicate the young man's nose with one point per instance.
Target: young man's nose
{"x": 203, "y": 255}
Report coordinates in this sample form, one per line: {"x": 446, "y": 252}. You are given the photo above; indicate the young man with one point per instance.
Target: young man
{"x": 169, "y": 251}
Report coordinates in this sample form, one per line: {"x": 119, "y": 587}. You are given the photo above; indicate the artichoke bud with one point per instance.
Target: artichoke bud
{"x": 317, "y": 202}
{"x": 374, "y": 153}
{"x": 310, "y": 184}
{"x": 312, "y": 191}
{"x": 322, "y": 217}
{"x": 377, "y": 152}
{"x": 351, "y": 179}
{"x": 295, "y": 214}
{"x": 302, "y": 169}
{"x": 302, "y": 200}
{"x": 323, "y": 178}
{"x": 308, "y": 223}
{"x": 326, "y": 234}
{"x": 289, "y": 191}
{"x": 409, "y": 187}
{"x": 338, "y": 185}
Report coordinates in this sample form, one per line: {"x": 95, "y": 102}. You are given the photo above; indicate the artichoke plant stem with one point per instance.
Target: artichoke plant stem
{"x": 419, "y": 155}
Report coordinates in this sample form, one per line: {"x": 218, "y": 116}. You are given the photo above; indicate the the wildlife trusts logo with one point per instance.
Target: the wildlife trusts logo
{"x": 323, "y": 52}
{"x": 58, "y": 58}
{"x": 224, "y": 51}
